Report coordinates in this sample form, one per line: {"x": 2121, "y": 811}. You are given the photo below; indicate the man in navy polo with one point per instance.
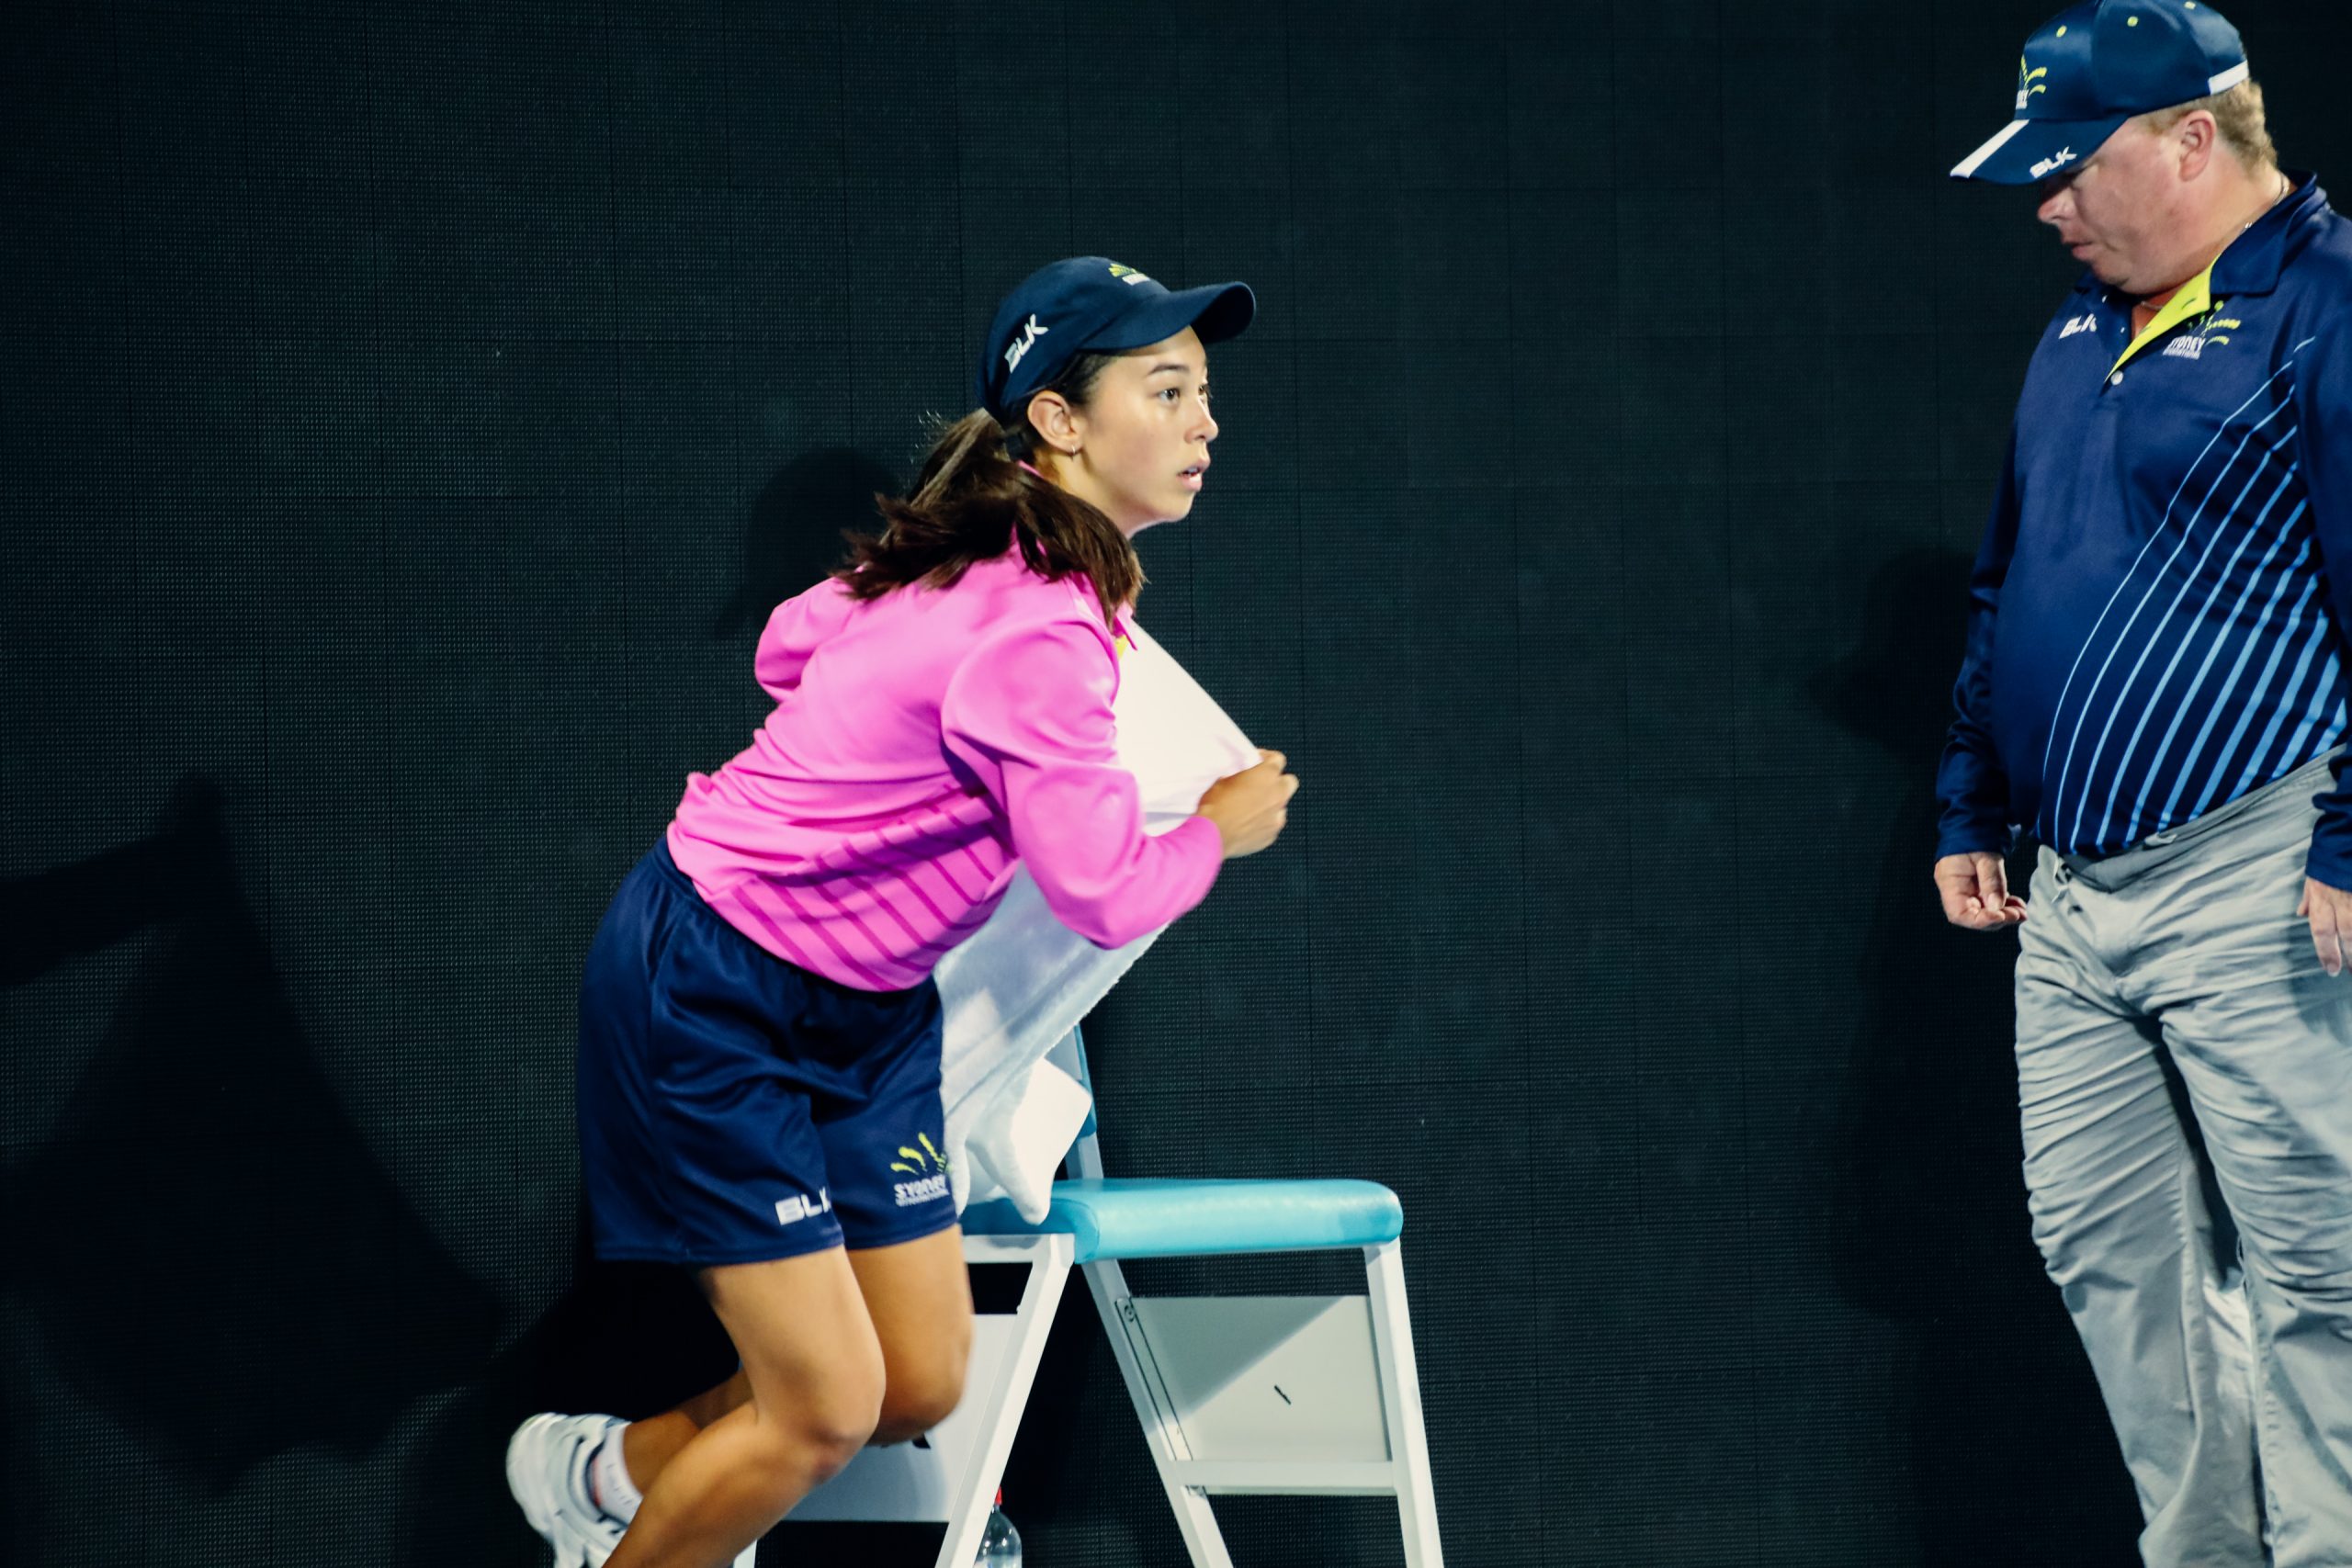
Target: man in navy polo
{"x": 2154, "y": 689}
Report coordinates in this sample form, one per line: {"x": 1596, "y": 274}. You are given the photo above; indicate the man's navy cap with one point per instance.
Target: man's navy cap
{"x": 1091, "y": 303}
{"x": 2089, "y": 68}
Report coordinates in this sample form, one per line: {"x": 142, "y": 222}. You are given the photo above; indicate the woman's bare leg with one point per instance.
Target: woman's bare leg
{"x": 920, "y": 1301}
{"x": 649, "y": 1445}
{"x": 814, "y": 1370}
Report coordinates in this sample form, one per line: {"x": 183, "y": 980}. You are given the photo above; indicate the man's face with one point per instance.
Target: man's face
{"x": 2118, "y": 211}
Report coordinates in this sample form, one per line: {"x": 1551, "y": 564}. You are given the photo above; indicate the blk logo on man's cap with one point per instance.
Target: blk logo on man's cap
{"x": 2093, "y": 66}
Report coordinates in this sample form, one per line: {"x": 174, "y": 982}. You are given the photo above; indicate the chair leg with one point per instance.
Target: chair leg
{"x": 1197, "y": 1524}
{"x": 1008, "y": 1396}
{"x": 1400, "y": 1396}
{"x": 1204, "y": 1542}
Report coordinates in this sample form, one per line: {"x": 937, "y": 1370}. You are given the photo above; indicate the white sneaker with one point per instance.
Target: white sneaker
{"x": 547, "y": 1469}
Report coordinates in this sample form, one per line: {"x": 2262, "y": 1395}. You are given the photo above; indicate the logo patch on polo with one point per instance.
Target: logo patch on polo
{"x": 2191, "y": 345}
{"x": 2080, "y": 325}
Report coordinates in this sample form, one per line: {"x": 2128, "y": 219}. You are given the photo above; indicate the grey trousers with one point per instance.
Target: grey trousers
{"x": 2229, "y": 1379}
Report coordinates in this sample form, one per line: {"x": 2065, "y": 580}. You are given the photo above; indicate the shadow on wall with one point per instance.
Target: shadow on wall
{"x": 626, "y": 1338}
{"x": 792, "y": 533}
{"x": 2012, "y": 1454}
{"x": 209, "y": 1253}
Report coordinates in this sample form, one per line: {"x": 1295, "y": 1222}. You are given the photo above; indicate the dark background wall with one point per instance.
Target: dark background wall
{"x": 409, "y": 412}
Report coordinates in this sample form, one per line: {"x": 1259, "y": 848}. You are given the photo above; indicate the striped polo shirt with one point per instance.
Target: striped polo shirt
{"x": 922, "y": 746}
{"x": 2156, "y": 618}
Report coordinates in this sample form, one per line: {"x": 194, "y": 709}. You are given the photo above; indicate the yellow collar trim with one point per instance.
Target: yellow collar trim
{"x": 2192, "y": 299}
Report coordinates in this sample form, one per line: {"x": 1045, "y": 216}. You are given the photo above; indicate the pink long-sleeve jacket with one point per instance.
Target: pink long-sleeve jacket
{"x": 922, "y": 745}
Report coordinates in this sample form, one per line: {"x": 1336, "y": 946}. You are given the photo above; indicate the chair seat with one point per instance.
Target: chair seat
{"x": 1146, "y": 1217}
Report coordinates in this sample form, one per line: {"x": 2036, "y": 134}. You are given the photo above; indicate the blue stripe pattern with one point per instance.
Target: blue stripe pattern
{"x": 2221, "y": 618}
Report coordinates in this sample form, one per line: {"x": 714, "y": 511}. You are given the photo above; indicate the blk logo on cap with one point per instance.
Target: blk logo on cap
{"x": 1023, "y": 344}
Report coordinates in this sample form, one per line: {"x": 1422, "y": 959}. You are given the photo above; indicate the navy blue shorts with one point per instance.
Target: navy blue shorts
{"x": 734, "y": 1106}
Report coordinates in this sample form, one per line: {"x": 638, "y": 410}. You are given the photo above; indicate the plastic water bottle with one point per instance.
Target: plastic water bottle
{"x": 1000, "y": 1542}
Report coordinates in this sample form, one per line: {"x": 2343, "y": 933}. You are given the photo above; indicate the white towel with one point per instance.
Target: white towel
{"x": 1023, "y": 979}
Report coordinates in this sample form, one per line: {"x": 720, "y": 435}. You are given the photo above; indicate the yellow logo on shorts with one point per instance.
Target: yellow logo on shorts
{"x": 927, "y": 1157}
{"x": 929, "y": 1170}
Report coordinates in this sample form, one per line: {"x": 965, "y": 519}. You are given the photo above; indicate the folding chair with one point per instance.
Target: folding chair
{"x": 1283, "y": 1396}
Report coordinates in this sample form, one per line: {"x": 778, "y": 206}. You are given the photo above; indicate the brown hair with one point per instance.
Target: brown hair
{"x": 2237, "y": 114}
{"x": 973, "y": 501}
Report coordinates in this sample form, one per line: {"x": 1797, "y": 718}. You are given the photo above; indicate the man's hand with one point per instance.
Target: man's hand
{"x": 1976, "y": 893}
{"x": 2329, "y": 909}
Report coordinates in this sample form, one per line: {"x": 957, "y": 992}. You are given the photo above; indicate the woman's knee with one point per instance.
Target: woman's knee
{"x": 813, "y": 1418}
{"x": 908, "y": 1412}
{"x": 921, "y": 1389}
{"x": 820, "y": 1430}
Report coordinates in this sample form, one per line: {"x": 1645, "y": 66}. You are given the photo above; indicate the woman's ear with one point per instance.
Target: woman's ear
{"x": 1058, "y": 424}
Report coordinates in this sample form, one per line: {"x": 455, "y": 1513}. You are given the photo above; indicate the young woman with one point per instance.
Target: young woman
{"x": 758, "y": 1035}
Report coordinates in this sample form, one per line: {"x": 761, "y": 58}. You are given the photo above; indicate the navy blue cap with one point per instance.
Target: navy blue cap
{"x": 2089, "y": 68}
{"x": 1091, "y": 303}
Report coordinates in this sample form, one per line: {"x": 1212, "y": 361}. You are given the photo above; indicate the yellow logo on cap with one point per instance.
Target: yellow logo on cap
{"x": 2029, "y": 80}
{"x": 1127, "y": 275}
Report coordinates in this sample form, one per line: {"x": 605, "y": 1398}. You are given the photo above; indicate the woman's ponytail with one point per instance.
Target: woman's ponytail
{"x": 973, "y": 498}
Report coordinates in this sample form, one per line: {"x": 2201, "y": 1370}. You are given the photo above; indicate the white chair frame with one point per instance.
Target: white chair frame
{"x": 1195, "y": 1370}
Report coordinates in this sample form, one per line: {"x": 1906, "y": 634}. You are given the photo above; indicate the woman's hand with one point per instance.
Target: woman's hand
{"x": 1251, "y": 807}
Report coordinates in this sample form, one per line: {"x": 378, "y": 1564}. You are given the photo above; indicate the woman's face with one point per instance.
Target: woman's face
{"x": 1139, "y": 450}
